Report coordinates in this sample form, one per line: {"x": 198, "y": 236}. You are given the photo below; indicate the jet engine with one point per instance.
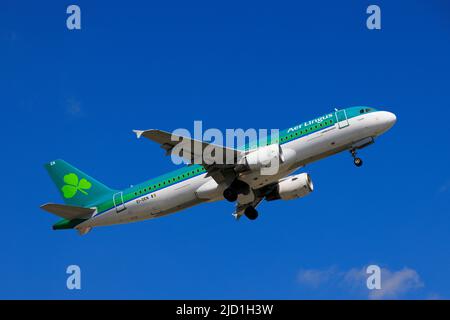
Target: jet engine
{"x": 265, "y": 157}
{"x": 292, "y": 187}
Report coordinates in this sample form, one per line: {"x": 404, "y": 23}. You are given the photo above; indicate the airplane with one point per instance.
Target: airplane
{"x": 89, "y": 203}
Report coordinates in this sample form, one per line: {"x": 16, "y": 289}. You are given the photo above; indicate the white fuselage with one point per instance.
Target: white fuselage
{"x": 339, "y": 137}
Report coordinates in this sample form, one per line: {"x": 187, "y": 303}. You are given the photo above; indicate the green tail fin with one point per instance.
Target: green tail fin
{"x": 76, "y": 187}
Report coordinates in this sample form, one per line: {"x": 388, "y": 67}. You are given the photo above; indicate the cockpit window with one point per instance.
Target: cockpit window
{"x": 366, "y": 110}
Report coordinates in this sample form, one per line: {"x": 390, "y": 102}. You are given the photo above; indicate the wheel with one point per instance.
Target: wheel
{"x": 358, "y": 162}
{"x": 251, "y": 213}
{"x": 230, "y": 195}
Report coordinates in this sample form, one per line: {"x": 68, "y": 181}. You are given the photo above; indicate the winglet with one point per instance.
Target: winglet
{"x": 138, "y": 133}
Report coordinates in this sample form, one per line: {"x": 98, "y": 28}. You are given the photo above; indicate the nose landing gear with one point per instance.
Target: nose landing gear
{"x": 357, "y": 161}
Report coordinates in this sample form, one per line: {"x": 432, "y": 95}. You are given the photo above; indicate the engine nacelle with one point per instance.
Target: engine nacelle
{"x": 263, "y": 157}
{"x": 292, "y": 187}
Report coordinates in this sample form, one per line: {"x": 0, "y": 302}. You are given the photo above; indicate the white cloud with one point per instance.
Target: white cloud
{"x": 314, "y": 278}
{"x": 394, "y": 284}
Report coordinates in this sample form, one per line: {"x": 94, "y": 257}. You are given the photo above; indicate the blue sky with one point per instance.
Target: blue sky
{"x": 77, "y": 95}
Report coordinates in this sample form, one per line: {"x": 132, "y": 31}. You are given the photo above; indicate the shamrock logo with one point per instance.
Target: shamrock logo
{"x": 73, "y": 185}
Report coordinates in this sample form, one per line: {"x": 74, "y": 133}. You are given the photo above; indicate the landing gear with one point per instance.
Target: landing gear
{"x": 251, "y": 213}
{"x": 237, "y": 187}
{"x": 357, "y": 161}
{"x": 230, "y": 194}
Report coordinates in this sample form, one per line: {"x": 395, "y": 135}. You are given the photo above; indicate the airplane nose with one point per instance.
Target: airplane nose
{"x": 386, "y": 121}
{"x": 390, "y": 118}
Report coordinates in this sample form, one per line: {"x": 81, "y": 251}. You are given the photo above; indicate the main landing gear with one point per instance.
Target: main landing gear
{"x": 251, "y": 213}
{"x": 237, "y": 187}
{"x": 230, "y": 194}
{"x": 357, "y": 161}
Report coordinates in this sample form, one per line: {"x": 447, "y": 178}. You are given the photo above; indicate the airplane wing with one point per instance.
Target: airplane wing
{"x": 211, "y": 156}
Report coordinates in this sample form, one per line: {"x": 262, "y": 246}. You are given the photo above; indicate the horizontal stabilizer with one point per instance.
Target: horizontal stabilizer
{"x": 68, "y": 212}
